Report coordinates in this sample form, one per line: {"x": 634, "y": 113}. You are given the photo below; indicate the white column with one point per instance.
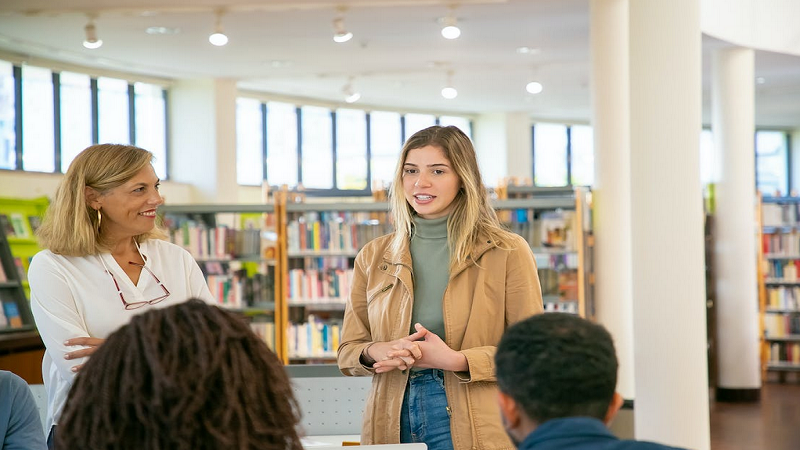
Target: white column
{"x": 202, "y": 115}
{"x": 669, "y": 316}
{"x": 611, "y": 194}
{"x": 733, "y": 110}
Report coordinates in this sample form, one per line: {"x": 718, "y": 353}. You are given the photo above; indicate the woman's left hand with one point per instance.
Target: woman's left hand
{"x": 91, "y": 344}
{"x": 436, "y": 354}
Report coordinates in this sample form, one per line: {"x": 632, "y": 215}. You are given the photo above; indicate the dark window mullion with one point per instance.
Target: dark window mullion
{"x": 299, "y": 145}
{"x": 533, "y": 153}
{"x": 402, "y": 129}
{"x": 167, "y": 150}
{"x": 18, "y": 114}
{"x": 333, "y": 147}
{"x": 132, "y": 113}
{"x": 369, "y": 151}
{"x": 264, "y": 148}
{"x": 569, "y": 156}
{"x": 57, "y": 122}
{"x": 95, "y": 111}
{"x": 788, "y": 163}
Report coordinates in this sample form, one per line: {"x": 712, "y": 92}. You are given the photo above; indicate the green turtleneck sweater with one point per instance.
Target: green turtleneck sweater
{"x": 430, "y": 256}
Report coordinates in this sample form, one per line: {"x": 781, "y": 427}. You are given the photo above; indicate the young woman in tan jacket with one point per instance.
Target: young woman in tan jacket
{"x": 430, "y": 301}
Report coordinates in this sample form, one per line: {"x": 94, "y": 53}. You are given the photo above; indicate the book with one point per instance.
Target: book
{"x": 12, "y": 314}
{"x": 23, "y": 276}
{"x": 6, "y": 227}
{"x": 34, "y": 222}
{"x": 18, "y": 223}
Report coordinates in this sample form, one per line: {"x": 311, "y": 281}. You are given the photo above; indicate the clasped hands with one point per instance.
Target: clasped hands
{"x": 422, "y": 349}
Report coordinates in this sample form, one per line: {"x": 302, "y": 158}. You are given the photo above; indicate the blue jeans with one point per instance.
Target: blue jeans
{"x": 425, "y": 416}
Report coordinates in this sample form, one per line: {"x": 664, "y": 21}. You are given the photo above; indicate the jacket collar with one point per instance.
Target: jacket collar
{"x": 403, "y": 257}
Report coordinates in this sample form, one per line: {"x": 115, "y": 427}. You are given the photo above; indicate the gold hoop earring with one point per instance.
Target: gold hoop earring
{"x": 99, "y": 220}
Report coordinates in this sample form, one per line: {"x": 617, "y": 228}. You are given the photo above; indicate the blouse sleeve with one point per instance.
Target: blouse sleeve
{"x": 198, "y": 287}
{"x": 55, "y": 312}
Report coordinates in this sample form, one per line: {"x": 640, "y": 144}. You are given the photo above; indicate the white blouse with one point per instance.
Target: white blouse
{"x": 73, "y": 296}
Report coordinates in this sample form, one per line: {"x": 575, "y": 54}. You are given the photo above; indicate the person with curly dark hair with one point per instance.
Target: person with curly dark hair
{"x": 190, "y": 376}
{"x": 557, "y": 375}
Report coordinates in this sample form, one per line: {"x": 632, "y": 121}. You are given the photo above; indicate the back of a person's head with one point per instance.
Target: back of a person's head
{"x": 189, "y": 376}
{"x": 557, "y": 365}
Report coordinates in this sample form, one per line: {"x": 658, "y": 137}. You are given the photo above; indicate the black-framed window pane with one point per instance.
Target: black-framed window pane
{"x": 707, "y": 157}
{"x": 351, "y": 149}
{"x": 582, "y": 155}
{"x": 8, "y": 136}
{"x": 281, "y": 144}
{"x": 550, "y": 155}
{"x": 317, "y": 129}
{"x": 249, "y": 142}
{"x": 38, "y": 133}
{"x": 416, "y": 122}
{"x": 386, "y": 141}
{"x": 113, "y": 118}
{"x": 151, "y": 124}
{"x": 772, "y": 162}
{"x": 461, "y": 122}
{"x": 76, "y": 115}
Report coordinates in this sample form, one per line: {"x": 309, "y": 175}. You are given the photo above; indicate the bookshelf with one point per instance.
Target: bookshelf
{"x": 19, "y": 219}
{"x": 15, "y": 312}
{"x": 556, "y": 222}
{"x": 237, "y": 248}
{"x": 779, "y": 285}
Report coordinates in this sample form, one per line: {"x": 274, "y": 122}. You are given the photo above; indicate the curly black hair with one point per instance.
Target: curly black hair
{"x": 557, "y": 365}
{"x": 190, "y": 376}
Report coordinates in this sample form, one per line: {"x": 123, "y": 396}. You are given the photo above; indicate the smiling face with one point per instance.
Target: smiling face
{"x": 429, "y": 181}
{"x": 129, "y": 209}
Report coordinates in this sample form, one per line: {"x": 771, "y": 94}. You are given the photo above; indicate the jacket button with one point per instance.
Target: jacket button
{"x": 383, "y": 267}
{"x": 488, "y": 242}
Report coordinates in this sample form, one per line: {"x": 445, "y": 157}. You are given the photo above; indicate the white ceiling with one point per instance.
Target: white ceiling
{"x": 398, "y": 58}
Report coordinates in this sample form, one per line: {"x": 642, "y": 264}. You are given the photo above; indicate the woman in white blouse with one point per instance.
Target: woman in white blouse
{"x": 104, "y": 261}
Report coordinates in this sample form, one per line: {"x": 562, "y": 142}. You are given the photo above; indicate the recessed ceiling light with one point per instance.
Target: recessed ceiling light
{"x": 761, "y": 80}
{"x": 279, "y": 63}
{"x": 528, "y": 51}
{"x": 162, "y": 30}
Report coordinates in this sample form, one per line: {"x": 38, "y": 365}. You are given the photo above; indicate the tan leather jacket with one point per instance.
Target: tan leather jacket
{"x": 480, "y": 302}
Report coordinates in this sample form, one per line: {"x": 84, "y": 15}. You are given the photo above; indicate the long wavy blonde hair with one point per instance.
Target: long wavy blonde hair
{"x": 471, "y": 215}
{"x": 70, "y": 225}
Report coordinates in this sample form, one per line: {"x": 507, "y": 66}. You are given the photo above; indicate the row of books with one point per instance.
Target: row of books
{"x": 319, "y": 286}
{"x": 786, "y": 352}
{"x": 222, "y": 242}
{"x": 563, "y": 285}
{"x": 557, "y": 262}
{"x": 9, "y": 314}
{"x": 266, "y": 331}
{"x": 564, "y": 307}
{"x": 780, "y": 215}
{"x": 15, "y": 225}
{"x": 238, "y": 290}
{"x": 781, "y": 325}
{"x": 22, "y": 274}
{"x": 781, "y": 244}
{"x": 315, "y": 338}
{"x": 785, "y": 298}
{"x": 334, "y": 231}
{"x": 784, "y": 270}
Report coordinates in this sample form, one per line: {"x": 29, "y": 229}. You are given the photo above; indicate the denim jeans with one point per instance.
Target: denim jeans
{"x": 425, "y": 416}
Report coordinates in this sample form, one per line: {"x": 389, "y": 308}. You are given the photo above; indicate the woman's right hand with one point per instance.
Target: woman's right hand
{"x": 399, "y": 354}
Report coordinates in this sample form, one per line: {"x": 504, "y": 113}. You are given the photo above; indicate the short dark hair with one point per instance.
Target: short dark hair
{"x": 189, "y": 376}
{"x": 557, "y": 365}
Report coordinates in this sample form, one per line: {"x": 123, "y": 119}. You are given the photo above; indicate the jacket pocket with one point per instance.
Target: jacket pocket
{"x": 377, "y": 293}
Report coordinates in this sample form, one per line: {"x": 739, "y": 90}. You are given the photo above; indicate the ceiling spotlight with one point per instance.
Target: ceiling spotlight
{"x": 450, "y": 29}
{"x": 761, "y": 80}
{"x": 534, "y": 87}
{"x": 218, "y": 37}
{"x": 91, "y": 41}
{"x": 449, "y": 92}
{"x": 350, "y": 95}
{"x": 340, "y": 33}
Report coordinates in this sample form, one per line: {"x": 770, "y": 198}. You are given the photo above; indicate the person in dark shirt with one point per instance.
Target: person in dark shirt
{"x": 557, "y": 375}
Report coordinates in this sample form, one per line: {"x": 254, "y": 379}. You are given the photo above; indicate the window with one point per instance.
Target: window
{"x": 8, "y": 135}
{"x": 707, "y": 157}
{"x": 38, "y": 133}
{"x": 581, "y": 155}
{"x": 151, "y": 123}
{"x": 416, "y": 122}
{"x": 112, "y": 111}
{"x": 771, "y": 162}
{"x": 281, "y": 144}
{"x": 461, "y": 122}
{"x": 351, "y": 149}
{"x": 76, "y": 116}
{"x": 385, "y": 144}
{"x": 317, "y": 151}
{"x": 249, "y": 142}
{"x": 550, "y": 155}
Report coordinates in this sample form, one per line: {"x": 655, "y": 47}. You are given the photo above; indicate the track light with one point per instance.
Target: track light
{"x": 534, "y": 87}
{"x": 449, "y": 92}
{"x": 340, "y": 33}
{"x": 350, "y": 95}
{"x": 91, "y": 41}
{"x": 218, "y": 37}
{"x": 450, "y": 29}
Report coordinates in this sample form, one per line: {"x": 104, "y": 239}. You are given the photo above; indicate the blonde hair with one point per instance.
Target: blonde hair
{"x": 70, "y": 226}
{"x": 471, "y": 215}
